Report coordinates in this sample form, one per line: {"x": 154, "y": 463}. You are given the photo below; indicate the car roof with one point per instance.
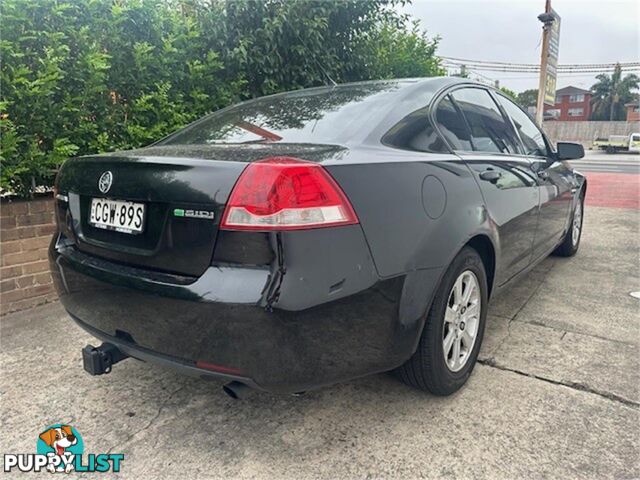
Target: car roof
{"x": 343, "y": 114}
{"x": 400, "y": 88}
{"x": 388, "y": 101}
{"x": 398, "y": 85}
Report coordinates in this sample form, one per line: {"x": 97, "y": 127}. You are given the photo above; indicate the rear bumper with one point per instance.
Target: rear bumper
{"x": 143, "y": 354}
{"x": 271, "y": 329}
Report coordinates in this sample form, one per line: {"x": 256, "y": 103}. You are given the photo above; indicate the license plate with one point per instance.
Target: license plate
{"x": 119, "y": 215}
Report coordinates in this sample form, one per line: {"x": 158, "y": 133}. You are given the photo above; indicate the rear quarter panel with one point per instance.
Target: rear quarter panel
{"x": 417, "y": 210}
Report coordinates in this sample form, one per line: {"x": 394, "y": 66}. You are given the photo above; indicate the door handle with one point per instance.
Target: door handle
{"x": 490, "y": 175}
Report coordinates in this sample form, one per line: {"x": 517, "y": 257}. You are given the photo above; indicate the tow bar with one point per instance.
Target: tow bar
{"x": 99, "y": 360}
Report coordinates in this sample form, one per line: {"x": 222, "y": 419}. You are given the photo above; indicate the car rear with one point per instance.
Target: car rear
{"x": 240, "y": 259}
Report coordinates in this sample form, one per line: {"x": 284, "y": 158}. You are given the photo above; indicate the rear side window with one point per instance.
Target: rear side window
{"x": 490, "y": 132}
{"x": 452, "y": 126}
{"x": 530, "y": 135}
{"x": 415, "y": 132}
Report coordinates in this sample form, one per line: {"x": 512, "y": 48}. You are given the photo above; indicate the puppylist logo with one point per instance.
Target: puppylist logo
{"x": 60, "y": 449}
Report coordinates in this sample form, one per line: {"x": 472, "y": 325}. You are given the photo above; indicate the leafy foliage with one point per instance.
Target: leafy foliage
{"x": 398, "y": 48}
{"x": 527, "y": 98}
{"x": 85, "y": 76}
{"x": 509, "y": 93}
{"x": 611, "y": 92}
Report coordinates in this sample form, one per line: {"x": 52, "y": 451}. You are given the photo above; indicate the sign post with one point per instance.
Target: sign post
{"x": 548, "y": 60}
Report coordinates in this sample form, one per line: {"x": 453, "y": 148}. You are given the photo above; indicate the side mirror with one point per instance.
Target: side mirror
{"x": 570, "y": 151}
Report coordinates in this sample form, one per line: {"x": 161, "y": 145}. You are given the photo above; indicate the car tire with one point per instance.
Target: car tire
{"x": 571, "y": 241}
{"x": 429, "y": 369}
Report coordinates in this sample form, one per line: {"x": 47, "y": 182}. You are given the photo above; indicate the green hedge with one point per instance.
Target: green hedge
{"x": 85, "y": 76}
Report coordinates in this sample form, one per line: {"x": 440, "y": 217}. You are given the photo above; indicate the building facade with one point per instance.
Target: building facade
{"x": 572, "y": 104}
{"x": 633, "y": 111}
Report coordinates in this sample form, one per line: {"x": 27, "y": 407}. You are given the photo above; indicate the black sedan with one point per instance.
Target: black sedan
{"x": 310, "y": 237}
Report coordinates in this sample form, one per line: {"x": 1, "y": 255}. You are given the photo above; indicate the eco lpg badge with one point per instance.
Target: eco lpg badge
{"x": 205, "y": 214}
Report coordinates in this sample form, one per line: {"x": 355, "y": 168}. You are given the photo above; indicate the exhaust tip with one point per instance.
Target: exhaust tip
{"x": 236, "y": 390}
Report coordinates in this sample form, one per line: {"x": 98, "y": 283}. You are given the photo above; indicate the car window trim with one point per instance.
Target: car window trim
{"x": 494, "y": 94}
{"x": 499, "y": 154}
{"x": 547, "y": 144}
{"x": 435, "y": 102}
{"x": 448, "y": 92}
{"x": 505, "y": 119}
{"x": 429, "y": 121}
{"x": 464, "y": 119}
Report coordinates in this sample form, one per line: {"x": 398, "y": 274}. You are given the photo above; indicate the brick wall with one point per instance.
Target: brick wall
{"x": 25, "y": 232}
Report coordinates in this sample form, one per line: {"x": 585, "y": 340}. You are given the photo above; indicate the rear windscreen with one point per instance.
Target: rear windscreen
{"x": 309, "y": 116}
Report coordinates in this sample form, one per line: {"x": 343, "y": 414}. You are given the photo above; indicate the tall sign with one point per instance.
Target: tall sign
{"x": 548, "y": 59}
{"x": 552, "y": 60}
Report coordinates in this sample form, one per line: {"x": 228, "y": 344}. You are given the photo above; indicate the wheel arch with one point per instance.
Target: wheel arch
{"x": 484, "y": 246}
{"x": 583, "y": 191}
{"x": 413, "y": 312}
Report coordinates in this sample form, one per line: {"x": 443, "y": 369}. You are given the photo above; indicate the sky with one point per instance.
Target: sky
{"x": 508, "y": 31}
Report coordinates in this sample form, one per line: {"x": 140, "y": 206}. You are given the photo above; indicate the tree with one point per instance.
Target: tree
{"x": 611, "y": 92}
{"x": 528, "y": 98}
{"x": 509, "y": 93}
{"x": 87, "y": 76}
{"x": 399, "y": 48}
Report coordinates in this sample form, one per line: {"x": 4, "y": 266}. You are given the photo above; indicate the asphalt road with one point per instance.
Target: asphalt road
{"x": 555, "y": 395}
{"x": 597, "y": 161}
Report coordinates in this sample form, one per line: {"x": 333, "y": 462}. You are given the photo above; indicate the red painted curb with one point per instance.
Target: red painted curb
{"x": 615, "y": 190}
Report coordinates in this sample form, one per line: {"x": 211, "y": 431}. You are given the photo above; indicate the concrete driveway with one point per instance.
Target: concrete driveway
{"x": 556, "y": 393}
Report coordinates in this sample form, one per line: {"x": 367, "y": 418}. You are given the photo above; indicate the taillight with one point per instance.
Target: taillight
{"x": 283, "y": 193}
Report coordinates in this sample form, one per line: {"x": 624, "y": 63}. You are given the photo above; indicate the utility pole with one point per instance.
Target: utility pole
{"x": 544, "y": 55}
{"x": 548, "y": 59}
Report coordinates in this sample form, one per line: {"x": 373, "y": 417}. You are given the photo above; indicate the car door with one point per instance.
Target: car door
{"x": 493, "y": 152}
{"x": 554, "y": 180}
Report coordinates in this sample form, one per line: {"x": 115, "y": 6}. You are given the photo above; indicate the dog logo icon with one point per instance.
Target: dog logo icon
{"x": 62, "y": 441}
{"x": 60, "y": 449}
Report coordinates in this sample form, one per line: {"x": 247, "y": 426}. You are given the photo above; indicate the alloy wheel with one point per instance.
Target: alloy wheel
{"x": 461, "y": 320}
{"x": 577, "y": 224}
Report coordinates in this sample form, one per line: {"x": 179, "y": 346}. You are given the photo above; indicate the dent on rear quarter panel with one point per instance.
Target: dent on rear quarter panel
{"x": 404, "y": 241}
